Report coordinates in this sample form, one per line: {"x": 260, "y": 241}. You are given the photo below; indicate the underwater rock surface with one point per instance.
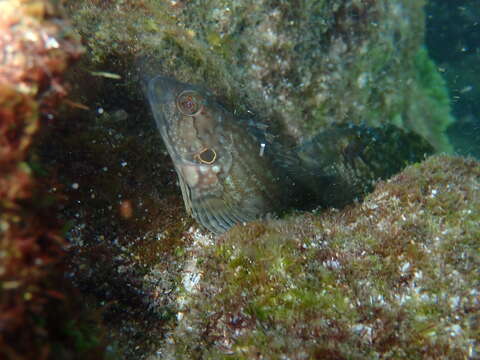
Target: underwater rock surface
{"x": 393, "y": 277}
{"x": 301, "y": 65}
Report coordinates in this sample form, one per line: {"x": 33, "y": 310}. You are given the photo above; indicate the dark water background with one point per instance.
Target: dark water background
{"x": 453, "y": 40}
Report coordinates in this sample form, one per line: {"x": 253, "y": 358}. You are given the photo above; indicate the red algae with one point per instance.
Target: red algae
{"x": 36, "y": 315}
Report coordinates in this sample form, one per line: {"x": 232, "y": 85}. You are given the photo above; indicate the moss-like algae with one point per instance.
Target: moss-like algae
{"x": 392, "y": 277}
{"x": 304, "y": 65}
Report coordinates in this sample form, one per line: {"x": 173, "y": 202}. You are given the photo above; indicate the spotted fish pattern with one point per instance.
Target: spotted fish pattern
{"x": 227, "y": 176}
{"x": 224, "y": 178}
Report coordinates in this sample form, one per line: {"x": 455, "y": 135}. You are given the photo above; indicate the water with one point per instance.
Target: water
{"x": 453, "y": 41}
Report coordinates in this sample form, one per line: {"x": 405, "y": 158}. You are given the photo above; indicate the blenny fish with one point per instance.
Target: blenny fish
{"x": 228, "y": 175}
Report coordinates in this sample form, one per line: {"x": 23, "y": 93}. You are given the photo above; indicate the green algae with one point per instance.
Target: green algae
{"x": 394, "y": 276}
{"x": 436, "y": 101}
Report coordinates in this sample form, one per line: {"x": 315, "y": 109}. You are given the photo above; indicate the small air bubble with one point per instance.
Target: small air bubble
{"x": 52, "y": 43}
{"x": 466, "y": 89}
{"x": 262, "y": 149}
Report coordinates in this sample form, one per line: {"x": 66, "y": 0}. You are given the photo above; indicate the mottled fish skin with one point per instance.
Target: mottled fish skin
{"x": 224, "y": 178}
{"x": 347, "y": 160}
{"x": 227, "y": 178}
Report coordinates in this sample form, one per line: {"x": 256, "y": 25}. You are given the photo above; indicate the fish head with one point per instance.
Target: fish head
{"x": 224, "y": 175}
{"x": 191, "y": 124}
{"x": 185, "y": 119}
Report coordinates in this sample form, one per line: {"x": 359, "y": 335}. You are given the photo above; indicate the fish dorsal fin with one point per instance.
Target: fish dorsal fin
{"x": 343, "y": 162}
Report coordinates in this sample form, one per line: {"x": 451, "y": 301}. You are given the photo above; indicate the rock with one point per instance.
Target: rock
{"x": 300, "y": 65}
{"x": 394, "y": 276}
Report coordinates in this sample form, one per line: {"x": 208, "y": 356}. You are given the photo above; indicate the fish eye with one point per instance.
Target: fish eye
{"x": 189, "y": 103}
{"x": 206, "y": 156}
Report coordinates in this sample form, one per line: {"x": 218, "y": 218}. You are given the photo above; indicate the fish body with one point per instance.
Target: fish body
{"x": 343, "y": 162}
{"x": 227, "y": 176}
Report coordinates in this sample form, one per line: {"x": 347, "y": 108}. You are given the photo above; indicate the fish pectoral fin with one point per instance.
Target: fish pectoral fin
{"x": 218, "y": 214}
{"x": 186, "y": 194}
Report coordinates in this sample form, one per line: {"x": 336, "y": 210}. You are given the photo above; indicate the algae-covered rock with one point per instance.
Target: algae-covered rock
{"x": 302, "y": 64}
{"x": 41, "y": 316}
{"x": 393, "y": 277}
